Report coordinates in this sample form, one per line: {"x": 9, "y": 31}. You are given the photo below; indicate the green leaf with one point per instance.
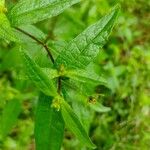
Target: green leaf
{"x": 49, "y": 125}
{"x": 6, "y": 31}
{"x": 33, "y": 31}
{"x": 99, "y": 107}
{"x": 56, "y": 47}
{"x": 32, "y": 11}
{"x": 9, "y": 116}
{"x": 73, "y": 123}
{"x": 85, "y": 115}
{"x": 86, "y": 81}
{"x": 86, "y": 76}
{"x": 51, "y": 73}
{"x": 85, "y": 47}
{"x": 79, "y": 87}
{"x": 37, "y": 76}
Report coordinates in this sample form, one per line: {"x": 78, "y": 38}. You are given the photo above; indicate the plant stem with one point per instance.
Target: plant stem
{"x": 39, "y": 42}
{"x": 48, "y": 51}
{"x": 59, "y": 85}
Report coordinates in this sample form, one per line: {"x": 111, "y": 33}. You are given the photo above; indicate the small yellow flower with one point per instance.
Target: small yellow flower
{"x": 57, "y": 103}
{"x": 62, "y": 70}
{"x": 92, "y": 100}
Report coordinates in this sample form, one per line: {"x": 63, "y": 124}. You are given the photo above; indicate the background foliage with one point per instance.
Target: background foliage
{"x": 124, "y": 62}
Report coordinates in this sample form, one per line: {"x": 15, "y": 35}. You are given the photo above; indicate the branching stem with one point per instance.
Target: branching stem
{"x": 39, "y": 42}
{"x": 48, "y": 52}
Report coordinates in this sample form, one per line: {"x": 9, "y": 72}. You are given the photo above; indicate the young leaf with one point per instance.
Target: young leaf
{"x": 9, "y": 116}
{"x": 73, "y": 123}
{"x": 32, "y": 11}
{"x": 49, "y": 125}
{"x": 6, "y": 31}
{"x": 85, "y": 47}
{"x": 40, "y": 79}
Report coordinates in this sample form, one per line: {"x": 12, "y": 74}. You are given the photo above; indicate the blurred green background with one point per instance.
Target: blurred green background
{"x": 124, "y": 62}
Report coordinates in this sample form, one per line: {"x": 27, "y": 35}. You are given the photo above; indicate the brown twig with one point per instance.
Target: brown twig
{"x": 39, "y": 42}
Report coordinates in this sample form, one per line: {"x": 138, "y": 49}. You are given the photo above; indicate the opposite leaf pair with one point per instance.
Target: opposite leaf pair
{"x": 76, "y": 56}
